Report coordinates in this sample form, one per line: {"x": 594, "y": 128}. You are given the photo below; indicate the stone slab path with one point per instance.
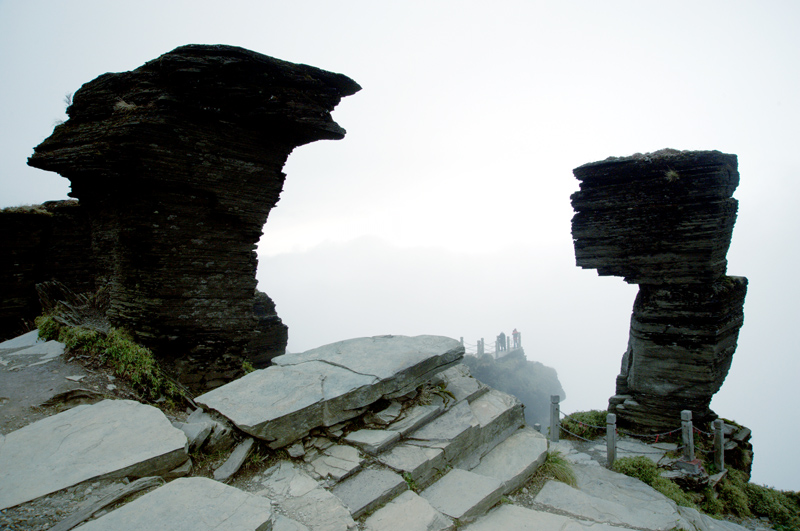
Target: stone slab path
{"x": 113, "y": 438}
{"x": 190, "y": 504}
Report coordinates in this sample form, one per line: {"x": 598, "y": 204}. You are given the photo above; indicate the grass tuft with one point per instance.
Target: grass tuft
{"x": 556, "y": 467}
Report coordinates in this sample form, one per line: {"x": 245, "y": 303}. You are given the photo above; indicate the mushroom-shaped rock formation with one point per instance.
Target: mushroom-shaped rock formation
{"x": 178, "y": 164}
{"x": 664, "y": 221}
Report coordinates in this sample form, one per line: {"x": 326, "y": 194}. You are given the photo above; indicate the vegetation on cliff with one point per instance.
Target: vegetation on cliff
{"x": 117, "y": 350}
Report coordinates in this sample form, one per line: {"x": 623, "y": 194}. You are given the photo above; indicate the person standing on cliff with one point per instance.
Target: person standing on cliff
{"x": 501, "y": 339}
{"x": 515, "y": 336}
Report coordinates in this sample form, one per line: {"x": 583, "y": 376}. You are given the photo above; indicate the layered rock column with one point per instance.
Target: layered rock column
{"x": 664, "y": 221}
{"x": 178, "y": 164}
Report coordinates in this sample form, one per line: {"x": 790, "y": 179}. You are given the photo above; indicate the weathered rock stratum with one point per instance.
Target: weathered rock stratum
{"x": 664, "y": 220}
{"x": 177, "y": 164}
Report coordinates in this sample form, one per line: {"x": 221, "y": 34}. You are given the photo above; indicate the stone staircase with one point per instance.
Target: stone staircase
{"x": 381, "y": 433}
{"x": 442, "y": 453}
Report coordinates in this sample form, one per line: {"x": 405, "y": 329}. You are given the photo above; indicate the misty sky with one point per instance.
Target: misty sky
{"x": 445, "y": 210}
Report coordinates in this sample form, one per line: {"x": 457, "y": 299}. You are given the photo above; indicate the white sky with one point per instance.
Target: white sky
{"x": 446, "y": 208}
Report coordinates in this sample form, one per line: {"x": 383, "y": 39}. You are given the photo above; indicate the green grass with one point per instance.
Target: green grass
{"x": 117, "y": 350}
{"x": 580, "y": 423}
{"x": 642, "y": 468}
{"x": 557, "y": 468}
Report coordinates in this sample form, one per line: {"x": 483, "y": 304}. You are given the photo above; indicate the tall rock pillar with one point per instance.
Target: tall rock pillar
{"x": 664, "y": 221}
{"x": 177, "y": 165}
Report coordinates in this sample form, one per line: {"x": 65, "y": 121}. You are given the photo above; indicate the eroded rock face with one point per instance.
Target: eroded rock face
{"x": 664, "y": 221}
{"x": 177, "y": 165}
{"x": 39, "y": 243}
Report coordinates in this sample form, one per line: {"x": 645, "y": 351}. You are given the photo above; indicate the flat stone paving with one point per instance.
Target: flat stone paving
{"x": 514, "y": 518}
{"x": 516, "y": 459}
{"x": 408, "y": 512}
{"x": 190, "y": 504}
{"x": 369, "y": 489}
{"x": 112, "y": 438}
{"x": 463, "y": 495}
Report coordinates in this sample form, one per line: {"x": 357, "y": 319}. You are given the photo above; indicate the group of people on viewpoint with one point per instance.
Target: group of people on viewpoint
{"x": 502, "y": 342}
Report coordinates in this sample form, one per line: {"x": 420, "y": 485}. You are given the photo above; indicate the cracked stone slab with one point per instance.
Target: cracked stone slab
{"x": 329, "y": 384}
{"x": 373, "y": 441}
{"x": 515, "y": 518}
{"x": 369, "y": 489}
{"x": 463, "y": 495}
{"x": 301, "y": 498}
{"x": 403, "y": 362}
{"x": 419, "y": 462}
{"x": 498, "y": 415}
{"x": 113, "y": 438}
{"x": 235, "y": 460}
{"x": 196, "y": 432}
{"x": 386, "y": 415}
{"x": 461, "y": 383}
{"x": 516, "y": 459}
{"x": 190, "y": 504}
{"x": 408, "y": 512}
{"x": 414, "y": 418}
{"x": 337, "y": 462}
{"x": 456, "y": 432}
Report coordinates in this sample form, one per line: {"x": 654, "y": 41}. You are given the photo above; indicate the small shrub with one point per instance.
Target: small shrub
{"x": 81, "y": 338}
{"x": 582, "y": 424}
{"x": 247, "y": 367}
{"x": 48, "y": 327}
{"x": 711, "y": 505}
{"x": 774, "y": 504}
{"x": 732, "y": 494}
{"x": 638, "y": 467}
{"x": 556, "y": 467}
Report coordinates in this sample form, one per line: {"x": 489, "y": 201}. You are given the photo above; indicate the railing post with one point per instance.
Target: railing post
{"x": 480, "y": 347}
{"x": 719, "y": 445}
{"x": 537, "y": 427}
{"x": 462, "y": 341}
{"x": 555, "y": 424}
{"x": 611, "y": 439}
{"x": 687, "y": 431}
{"x": 519, "y": 339}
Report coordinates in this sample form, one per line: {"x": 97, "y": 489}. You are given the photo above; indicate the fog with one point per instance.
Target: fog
{"x": 445, "y": 210}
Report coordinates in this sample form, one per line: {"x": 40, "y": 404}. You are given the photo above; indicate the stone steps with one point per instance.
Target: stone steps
{"x": 458, "y": 444}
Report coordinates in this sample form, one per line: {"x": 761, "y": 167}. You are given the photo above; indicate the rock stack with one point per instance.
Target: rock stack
{"x": 664, "y": 221}
{"x": 177, "y": 165}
